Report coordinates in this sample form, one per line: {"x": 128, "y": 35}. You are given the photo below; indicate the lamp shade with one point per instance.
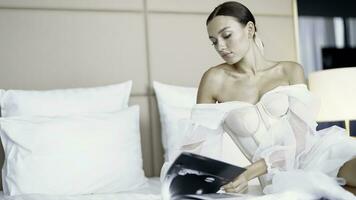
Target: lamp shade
{"x": 336, "y": 89}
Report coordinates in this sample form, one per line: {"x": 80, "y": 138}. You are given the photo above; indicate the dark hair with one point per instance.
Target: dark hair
{"x": 233, "y": 9}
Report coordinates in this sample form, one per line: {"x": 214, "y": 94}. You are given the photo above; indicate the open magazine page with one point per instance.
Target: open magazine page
{"x": 193, "y": 176}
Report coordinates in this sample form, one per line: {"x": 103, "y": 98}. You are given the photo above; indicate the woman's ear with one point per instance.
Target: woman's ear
{"x": 251, "y": 29}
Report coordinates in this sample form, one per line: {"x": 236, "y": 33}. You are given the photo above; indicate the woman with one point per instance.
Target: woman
{"x": 246, "y": 78}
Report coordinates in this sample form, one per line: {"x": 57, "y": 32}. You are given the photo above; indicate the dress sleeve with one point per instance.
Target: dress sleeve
{"x": 277, "y": 158}
{"x": 201, "y": 134}
{"x": 279, "y": 151}
{"x": 198, "y": 139}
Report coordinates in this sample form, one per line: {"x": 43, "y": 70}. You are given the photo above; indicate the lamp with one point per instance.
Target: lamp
{"x": 336, "y": 89}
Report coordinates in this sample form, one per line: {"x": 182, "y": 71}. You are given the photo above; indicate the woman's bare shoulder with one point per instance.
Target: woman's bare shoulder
{"x": 294, "y": 72}
{"x": 210, "y": 84}
{"x": 291, "y": 65}
{"x": 214, "y": 74}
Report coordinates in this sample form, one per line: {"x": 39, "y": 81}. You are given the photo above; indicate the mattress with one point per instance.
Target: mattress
{"x": 152, "y": 191}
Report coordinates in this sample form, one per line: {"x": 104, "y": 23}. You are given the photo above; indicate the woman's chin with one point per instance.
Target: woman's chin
{"x": 231, "y": 61}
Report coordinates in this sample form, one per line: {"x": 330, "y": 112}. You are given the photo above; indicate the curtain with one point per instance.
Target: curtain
{"x": 314, "y": 34}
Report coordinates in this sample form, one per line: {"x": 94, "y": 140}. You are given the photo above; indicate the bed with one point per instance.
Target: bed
{"x": 81, "y": 141}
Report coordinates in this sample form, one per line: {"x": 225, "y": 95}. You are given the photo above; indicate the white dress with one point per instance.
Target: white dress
{"x": 280, "y": 129}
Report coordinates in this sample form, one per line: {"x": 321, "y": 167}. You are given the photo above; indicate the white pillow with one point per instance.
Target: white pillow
{"x": 1, "y": 95}
{"x": 65, "y": 101}
{"x": 175, "y": 104}
{"x": 76, "y": 154}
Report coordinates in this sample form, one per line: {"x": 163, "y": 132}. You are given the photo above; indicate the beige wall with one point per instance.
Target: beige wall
{"x": 47, "y": 44}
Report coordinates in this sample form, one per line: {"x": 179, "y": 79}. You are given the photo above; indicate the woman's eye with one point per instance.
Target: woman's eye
{"x": 214, "y": 42}
{"x": 227, "y": 36}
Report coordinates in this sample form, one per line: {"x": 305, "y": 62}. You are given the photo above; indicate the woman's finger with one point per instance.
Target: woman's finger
{"x": 226, "y": 185}
{"x": 232, "y": 184}
{"x": 230, "y": 190}
{"x": 236, "y": 187}
{"x": 230, "y": 187}
{"x": 243, "y": 189}
{"x": 237, "y": 190}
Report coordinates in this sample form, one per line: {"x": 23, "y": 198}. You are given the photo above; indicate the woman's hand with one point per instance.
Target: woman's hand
{"x": 238, "y": 185}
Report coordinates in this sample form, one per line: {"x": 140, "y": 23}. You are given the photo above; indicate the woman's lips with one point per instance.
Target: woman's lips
{"x": 226, "y": 55}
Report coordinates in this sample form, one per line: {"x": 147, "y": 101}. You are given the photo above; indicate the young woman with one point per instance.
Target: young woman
{"x": 274, "y": 126}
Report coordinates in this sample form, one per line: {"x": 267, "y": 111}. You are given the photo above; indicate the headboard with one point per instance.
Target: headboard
{"x": 48, "y": 44}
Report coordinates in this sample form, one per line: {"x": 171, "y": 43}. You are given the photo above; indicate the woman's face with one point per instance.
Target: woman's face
{"x": 229, "y": 37}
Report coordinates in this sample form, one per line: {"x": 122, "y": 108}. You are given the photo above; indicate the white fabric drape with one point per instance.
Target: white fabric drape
{"x": 314, "y": 34}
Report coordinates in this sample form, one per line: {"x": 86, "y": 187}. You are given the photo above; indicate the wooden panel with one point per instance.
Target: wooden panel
{"x": 180, "y": 50}
{"x": 269, "y": 7}
{"x": 158, "y": 157}
{"x": 278, "y": 36}
{"x": 133, "y": 5}
{"x": 145, "y": 128}
{"x": 61, "y": 49}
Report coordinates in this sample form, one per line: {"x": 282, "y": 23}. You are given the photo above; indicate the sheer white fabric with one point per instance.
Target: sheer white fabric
{"x": 284, "y": 133}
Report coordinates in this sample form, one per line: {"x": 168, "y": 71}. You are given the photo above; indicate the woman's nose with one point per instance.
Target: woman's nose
{"x": 221, "y": 45}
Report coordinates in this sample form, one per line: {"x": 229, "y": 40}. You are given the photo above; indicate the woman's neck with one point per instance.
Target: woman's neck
{"x": 252, "y": 62}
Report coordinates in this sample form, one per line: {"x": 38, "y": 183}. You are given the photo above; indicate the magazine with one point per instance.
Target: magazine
{"x": 193, "y": 176}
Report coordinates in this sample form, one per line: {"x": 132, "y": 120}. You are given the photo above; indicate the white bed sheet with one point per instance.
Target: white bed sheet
{"x": 153, "y": 192}
{"x": 150, "y": 192}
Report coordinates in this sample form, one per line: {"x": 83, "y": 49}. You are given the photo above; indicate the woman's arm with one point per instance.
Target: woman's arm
{"x": 208, "y": 87}
{"x": 240, "y": 183}
{"x": 256, "y": 169}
